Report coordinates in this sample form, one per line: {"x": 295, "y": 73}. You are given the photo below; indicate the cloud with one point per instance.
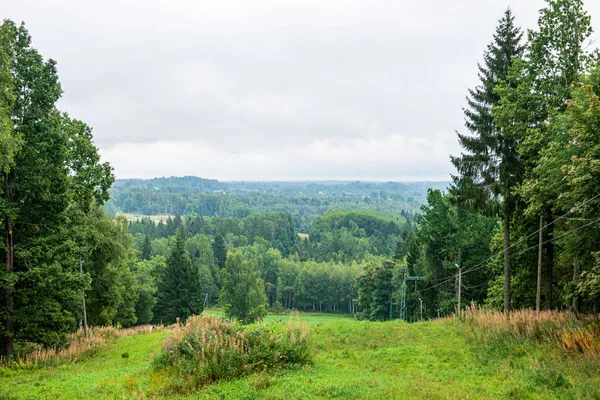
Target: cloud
{"x": 267, "y": 89}
{"x": 378, "y": 159}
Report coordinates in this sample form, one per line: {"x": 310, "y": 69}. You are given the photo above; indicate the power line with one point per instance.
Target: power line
{"x": 533, "y": 233}
{"x": 519, "y": 241}
{"x": 483, "y": 264}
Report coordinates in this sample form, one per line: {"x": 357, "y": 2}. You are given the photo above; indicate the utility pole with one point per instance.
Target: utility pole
{"x": 403, "y": 298}
{"x": 459, "y": 287}
{"x": 85, "y": 326}
{"x": 538, "y": 294}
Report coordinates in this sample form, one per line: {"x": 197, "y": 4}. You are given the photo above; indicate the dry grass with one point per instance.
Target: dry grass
{"x": 571, "y": 332}
{"x": 76, "y": 348}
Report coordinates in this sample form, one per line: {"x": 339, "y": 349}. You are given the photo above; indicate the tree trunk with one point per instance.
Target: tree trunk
{"x": 6, "y": 339}
{"x": 538, "y": 293}
{"x": 506, "y": 261}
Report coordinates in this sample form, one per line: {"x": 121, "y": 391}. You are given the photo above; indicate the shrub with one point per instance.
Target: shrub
{"x": 208, "y": 349}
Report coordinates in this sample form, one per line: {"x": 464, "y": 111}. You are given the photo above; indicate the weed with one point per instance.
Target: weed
{"x": 209, "y": 349}
{"x": 261, "y": 381}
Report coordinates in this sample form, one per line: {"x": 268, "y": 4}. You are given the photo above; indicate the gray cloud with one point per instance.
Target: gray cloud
{"x": 270, "y": 89}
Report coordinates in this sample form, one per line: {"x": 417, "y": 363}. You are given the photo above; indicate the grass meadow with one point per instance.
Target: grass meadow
{"x": 482, "y": 357}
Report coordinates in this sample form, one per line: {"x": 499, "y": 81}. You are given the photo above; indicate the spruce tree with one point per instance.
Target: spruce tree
{"x": 179, "y": 292}
{"x": 489, "y": 167}
{"x": 146, "y": 249}
{"x": 479, "y": 166}
{"x": 382, "y": 293}
{"x": 220, "y": 251}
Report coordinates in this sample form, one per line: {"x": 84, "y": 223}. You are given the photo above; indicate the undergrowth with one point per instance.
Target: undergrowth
{"x": 569, "y": 333}
{"x": 78, "y": 347}
{"x": 208, "y": 349}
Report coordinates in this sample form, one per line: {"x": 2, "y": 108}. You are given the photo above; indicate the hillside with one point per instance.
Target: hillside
{"x": 354, "y": 360}
{"x": 304, "y": 200}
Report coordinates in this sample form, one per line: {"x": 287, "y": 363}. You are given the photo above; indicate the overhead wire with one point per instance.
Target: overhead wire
{"x": 484, "y": 263}
{"x": 522, "y": 239}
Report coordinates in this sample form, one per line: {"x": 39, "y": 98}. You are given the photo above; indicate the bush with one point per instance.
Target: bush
{"x": 208, "y": 349}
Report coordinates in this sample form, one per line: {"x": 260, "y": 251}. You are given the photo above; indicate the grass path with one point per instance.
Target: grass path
{"x": 354, "y": 360}
{"x": 105, "y": 375}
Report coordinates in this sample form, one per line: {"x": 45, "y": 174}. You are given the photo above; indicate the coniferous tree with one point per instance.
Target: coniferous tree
{"x": 382, "y": 293}
{"x": 179, "y": 291}
{"x": 490, "y": 167}
{"x": 220, "y": 251}
{"x": 146, "y": 252}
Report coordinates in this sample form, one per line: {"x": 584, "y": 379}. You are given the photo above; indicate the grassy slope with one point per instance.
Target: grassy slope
{"x": 355, "y": 360}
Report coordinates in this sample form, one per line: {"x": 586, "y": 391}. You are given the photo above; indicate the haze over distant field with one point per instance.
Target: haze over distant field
{"x": 271, "y": 90}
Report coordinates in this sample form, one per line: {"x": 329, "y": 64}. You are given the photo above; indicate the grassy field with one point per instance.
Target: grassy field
{"x": 155, "y": 218}
{"x": 354, "y": 360}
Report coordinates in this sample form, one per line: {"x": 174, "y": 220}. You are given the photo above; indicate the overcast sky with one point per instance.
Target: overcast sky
{"x": 270, "y": 90}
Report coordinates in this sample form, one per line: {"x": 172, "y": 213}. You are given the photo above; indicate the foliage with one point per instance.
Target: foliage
{"x": 536, "y": 154}
{"x": 49, "y": 167}
{"x": 243, "y": 291}
{"x": 573, "y": 334}
{"x": 78, "y": 348}
{"x": 375, "y": 289}
{"x": 302, "y": 200}
{"x": 354, "y": 359}
{"x": 482, "y": 170}
{"x": 208, "y": 349}
{"x": 179, "y": 292}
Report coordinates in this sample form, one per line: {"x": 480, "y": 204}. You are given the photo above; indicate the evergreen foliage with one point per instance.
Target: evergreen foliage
{"x": 179, "y": 292}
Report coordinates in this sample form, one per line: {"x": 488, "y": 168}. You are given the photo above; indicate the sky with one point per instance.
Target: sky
{"x": 271, "y": 89}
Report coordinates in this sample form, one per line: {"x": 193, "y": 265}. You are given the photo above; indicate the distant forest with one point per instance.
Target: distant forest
{"x": 305, "y": 200}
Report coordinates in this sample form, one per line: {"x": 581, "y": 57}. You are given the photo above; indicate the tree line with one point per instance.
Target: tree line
{"x": 304, "y": 201}
{"x": 530, "y": 159}
{"x": 521, "y": 218}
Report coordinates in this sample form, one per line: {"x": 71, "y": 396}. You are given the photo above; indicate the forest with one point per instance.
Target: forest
{"x": 304, "y": 200}
{"x": 519, "y": 221}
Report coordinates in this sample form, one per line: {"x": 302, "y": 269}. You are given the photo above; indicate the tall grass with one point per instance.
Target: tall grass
{"x": 208, "y": 349}
{"x": 32, "y": 355}
{"x": 569, "y": 332}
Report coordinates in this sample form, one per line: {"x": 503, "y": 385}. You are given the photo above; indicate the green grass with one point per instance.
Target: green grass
{"x": 106, "y": 375}
{"x": 354, "y": 360}
{"x": 312, "y": 318}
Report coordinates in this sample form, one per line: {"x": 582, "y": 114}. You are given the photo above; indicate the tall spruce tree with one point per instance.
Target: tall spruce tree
{"x": 146, "y": 252}
{"x": 179, "y": 291}
{"x": 488, "y": 168}
{"x": 220, "y": 251}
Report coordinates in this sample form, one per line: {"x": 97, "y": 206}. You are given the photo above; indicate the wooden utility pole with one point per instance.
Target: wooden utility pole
{"x": 458, "y": 294}
{"x": 538, "y": 295}
{"x": 85, "y": 326}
